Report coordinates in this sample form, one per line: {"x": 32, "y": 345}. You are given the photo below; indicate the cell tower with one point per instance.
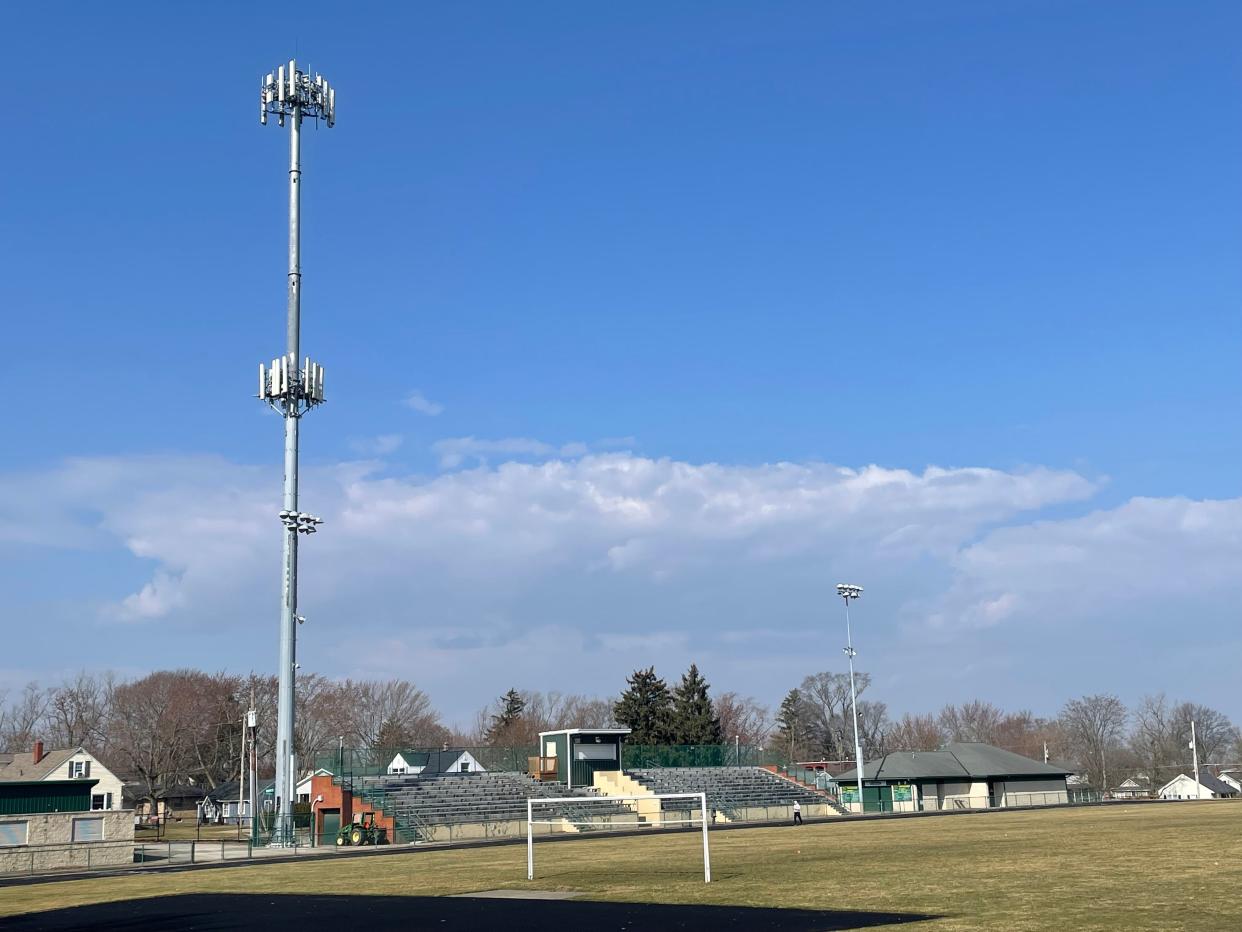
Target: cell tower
{"x": 290, "y": 95}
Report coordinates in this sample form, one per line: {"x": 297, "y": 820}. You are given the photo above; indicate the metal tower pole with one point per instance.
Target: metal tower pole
{"x": 289, "y": 588}
{"x": 292, "y": 390}
{"x": 850, "y": 652}
{"x": 847, "y": 592}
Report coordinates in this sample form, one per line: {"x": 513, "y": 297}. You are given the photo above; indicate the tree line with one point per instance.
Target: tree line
{"x": 177, "y": 726}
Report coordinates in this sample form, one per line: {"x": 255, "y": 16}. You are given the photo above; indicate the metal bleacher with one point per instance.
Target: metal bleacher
{"x": 728, "y": 789}
{"x": 418, "y": 803}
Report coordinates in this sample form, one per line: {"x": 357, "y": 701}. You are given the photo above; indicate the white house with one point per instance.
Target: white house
{"x": 1130, "y": 788}
{"x": 448, "y": 760}
{"x": 1208, "y": 787}
{"x": 1233, "y": 778}
{"x": 65, "y": 764}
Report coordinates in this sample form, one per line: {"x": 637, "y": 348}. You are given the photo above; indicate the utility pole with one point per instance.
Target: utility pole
{"x": 1194, "y": 753}
{"x": 848, "y": 592}
{"x": 292, "y": 390}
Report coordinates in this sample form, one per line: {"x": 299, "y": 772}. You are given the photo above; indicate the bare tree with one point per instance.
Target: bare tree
{"x": 395, "y": 710}
{"x": 1094, "y": 726}
{"x": 147, "y": 727}
{"x": 25, "y": 719}
{"x": 826, "y": 703}
{"x": 744, "y": 718}
{"x": 1214, "y": 733}
{"x": 973, "y": 721}
{"x": 915, "y": 733}
{"x": 77, "y": 712}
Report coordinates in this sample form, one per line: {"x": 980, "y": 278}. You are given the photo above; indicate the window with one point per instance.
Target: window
{"x": 465, "y": 766}
{"x": 87, "y": 830}
{"x": 79, "y": 768}
{"x": 101, "y": 801}
{"x": 12, "y": 833}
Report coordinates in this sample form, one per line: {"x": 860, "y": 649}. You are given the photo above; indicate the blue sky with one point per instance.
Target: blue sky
{"x": 988, "y": 237}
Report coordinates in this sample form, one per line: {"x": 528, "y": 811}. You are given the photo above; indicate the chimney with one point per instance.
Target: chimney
{"x": 38, "y": 751}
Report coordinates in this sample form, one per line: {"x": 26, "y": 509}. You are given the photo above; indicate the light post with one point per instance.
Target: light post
{"x": 1194, "y": 751}
{"x": 292, "y": 387}
{"x": 847, "y": 592}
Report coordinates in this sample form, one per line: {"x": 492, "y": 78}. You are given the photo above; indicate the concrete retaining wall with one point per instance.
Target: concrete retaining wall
{"x": 50, "y": 846}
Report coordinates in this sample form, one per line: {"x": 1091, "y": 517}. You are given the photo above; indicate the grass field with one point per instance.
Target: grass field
{"x": 1175, "y": 866}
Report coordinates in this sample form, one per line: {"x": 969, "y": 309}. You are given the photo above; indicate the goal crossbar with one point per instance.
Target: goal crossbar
{"x": 531, "y": 821}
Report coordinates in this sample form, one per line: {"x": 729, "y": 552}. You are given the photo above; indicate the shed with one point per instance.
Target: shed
{"x": 963, "y": 775}
{"x": 574, "y": 755}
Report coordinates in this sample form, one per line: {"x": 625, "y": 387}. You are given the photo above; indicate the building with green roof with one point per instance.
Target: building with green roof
{"x": 962, "y": 775}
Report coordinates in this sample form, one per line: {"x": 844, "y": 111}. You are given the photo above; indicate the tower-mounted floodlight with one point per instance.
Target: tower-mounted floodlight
{"x": 288, "y": 89}
{"x": 847, "y": 592}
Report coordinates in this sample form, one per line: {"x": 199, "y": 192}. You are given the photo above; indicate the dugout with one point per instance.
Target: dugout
{"x": 574, "y": 755}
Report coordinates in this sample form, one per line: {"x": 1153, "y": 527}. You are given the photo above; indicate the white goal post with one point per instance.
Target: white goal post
{"x": 576, "y": 801}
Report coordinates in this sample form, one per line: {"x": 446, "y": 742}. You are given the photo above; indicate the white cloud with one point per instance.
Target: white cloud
{"x": 422, "y": 404}
{"x": 454, "y": 451}
{"x": 1115, "y": 564}
{"x": 582, "y": 568}
{"x": 381, "y": 445}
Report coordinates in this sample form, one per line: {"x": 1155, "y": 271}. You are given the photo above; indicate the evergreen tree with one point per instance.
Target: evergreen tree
{"x": 694, "y": 717}
{"x": 791, "y": 723}
{"x": 511, "y": 706}
{"x": 646, "y": 708}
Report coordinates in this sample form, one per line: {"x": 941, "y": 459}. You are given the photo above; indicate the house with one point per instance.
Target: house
{"x": 1208, "y": 787}
{"x": 446, "y": 760}
{"x": 176, "y": 801}
{"x": 1233, "y": 778}
{"x": 222, "y": 806}
{"x": 963, "y": 775}
{"x": 302, "y": 792}
{"x": 65, "y": 764}
{"x": 1132, "y": 788}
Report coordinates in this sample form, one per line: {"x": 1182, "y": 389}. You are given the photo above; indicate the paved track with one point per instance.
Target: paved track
{"x": 208, "y": 912}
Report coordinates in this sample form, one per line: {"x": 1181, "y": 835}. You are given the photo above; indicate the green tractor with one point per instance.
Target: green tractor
{"x": 362, "y": 832}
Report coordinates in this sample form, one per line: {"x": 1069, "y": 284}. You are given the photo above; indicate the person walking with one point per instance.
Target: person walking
{"x": 797, "y": 813}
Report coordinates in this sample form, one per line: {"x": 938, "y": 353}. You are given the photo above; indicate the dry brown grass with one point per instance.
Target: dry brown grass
{"x": 1173, "y": 866}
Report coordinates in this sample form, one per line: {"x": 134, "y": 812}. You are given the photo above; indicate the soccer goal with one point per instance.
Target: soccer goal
{"x": 595, "y": 813}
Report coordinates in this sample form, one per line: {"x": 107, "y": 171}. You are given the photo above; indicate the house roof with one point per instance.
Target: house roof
{"x": 432, "y": 761}
{"x": 224, "y": 791}
{"x": 587, "y": 731}
{"x": 1216, "y": 785}
{"x": 20, "y": 767}
{"x": 953, "y": 762}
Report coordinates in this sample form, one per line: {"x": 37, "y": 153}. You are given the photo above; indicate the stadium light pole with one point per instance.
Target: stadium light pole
{"x": 847, "y": 592}
{"x": 292, "y": 390}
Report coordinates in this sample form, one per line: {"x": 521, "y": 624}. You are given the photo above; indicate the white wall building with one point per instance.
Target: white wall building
{"x": 1208, "y": 787}
{"x": 449, "y": 760}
